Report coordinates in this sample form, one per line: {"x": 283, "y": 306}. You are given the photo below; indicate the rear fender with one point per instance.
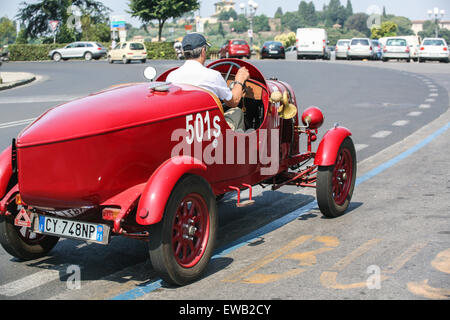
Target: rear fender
{"x": 329, "y": 146}
{"x": 160, "y": 185}
{"x": 5, "y": 170}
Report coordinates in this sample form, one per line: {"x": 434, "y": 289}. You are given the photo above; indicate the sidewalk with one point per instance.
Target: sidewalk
{"x": 14, "y": 79}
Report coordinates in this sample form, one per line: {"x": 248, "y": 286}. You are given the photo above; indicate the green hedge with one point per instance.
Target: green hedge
{"x": 39, "y": 52}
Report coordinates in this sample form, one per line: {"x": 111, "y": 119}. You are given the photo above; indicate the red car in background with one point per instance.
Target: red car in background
{"x": 235, "y": 48}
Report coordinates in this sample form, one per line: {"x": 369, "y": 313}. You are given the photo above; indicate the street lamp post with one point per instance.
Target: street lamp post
{"x": 252, "y": 6}
{"x": 436, "y": 15}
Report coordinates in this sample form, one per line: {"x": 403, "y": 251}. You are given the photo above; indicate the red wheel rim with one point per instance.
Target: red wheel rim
{"x": 190, "y": 231}
{"x": 342, "y": 176}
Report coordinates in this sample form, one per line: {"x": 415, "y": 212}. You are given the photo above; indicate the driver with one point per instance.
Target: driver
{"x": 195, "y": 73}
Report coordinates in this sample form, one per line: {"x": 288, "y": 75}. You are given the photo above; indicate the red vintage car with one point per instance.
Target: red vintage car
{"x": 149, "y": 161}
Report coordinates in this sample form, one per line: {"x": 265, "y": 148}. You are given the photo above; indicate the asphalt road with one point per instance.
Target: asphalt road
{"x": 281, "y": 248}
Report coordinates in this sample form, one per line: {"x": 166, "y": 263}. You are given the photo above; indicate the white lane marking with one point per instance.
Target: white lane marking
{"x": 415, "y": 113}
{"x": 433, "y": 89}
{"x": 37, "y": 99}
{"x": 431, "y": 86}
{"x": 381, "y": 134}
{"x": 425, "y": 106}
{"x": 30, "y": 282}
{"x": 16, "y": 123}
{"x": 400, "y": 123}
{"x": 430, "y": 100}
{"x": 359, "y": 147}
{"x": 433, "y": 95}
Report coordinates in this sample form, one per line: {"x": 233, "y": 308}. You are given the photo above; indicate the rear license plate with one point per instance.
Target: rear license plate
{"x": 72, "y": 229}
{"x": 273, "y": 51}
{"x": 241, "y": 51}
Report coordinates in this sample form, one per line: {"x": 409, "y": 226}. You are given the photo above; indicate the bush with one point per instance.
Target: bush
{"x": 39, "y": 52}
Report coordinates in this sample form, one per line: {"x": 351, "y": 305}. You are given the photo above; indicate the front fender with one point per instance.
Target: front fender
{"x": 5, "y": 170}
{"x": 329, "y": 146}
{"x": 160, "y": 185}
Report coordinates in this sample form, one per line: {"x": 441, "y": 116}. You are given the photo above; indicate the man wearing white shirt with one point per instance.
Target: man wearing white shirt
{"x": 195, "y": 73}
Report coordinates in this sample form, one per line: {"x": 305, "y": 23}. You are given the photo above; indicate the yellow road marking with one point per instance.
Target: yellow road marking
{"x": 260, "y": 278}
{"x": 308, "y": 258}
{"x": 442, "y": 261}
{"x": 425, "y": 290}
{"x": 267, "y": 259}
{"x": 402, "y": 259}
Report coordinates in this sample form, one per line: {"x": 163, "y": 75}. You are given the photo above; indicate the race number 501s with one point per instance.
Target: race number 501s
{"x": 199, "y": 126}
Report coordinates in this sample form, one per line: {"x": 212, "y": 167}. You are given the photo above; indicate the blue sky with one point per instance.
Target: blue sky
{"x": 413, "y": 9}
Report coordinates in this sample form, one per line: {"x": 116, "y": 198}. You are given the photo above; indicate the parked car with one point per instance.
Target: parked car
{"x": 4, "y": 53}
{"x": 291, "y": 52}
{"x": 86, "y": 50}
{"x": 124, "y": 162}
{"x": 235, "y": 48}
{"x": 273, "y": 49}
{"x": 342, "y": 48}
{"x": 377, "y": 49}
{"x": 434, "y": 49}
{"x": 360, "y": 48}
{"x": 312, "y": 43}
{"x": 128, "y": 51}
{"x": 414, "y": 46}
{"x": 396, "y": 48}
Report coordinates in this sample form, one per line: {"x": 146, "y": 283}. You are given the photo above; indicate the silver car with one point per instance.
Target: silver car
{"x": 360, "y": 48}
{"x": 434, "y": 49}
{"x": 86, "y": 50}
{"x": 396, "y": 48}
{"x": 342, "y": 48}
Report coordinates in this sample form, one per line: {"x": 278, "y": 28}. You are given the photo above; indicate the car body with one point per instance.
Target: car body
{"x": 272, "y": 49}
{"x": 79, "y": 49}
{"x": 312, "y": 43}
{"x": 377, "y": 49}
{"x": 434, "y": 49}
{"x": 235, "y": 48}
{"x": 360, "y": 48}
{"x": 414, "y": 46}
{"x": 128, "y": 51}
{"x": 342, "y": 48}
{"x": 148, "y": 161}
{"x": 291, "y": 53}
{"x": 396, "y": 48}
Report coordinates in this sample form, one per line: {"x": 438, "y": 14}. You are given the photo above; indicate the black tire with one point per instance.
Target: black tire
{"x": 56, "y": 57}
{"x": 166, "y": 235}
{"x": 110, "y": 60}
{"x": 144, "y": 60}
{"x": 326, "y": 197}
{"x": 14, "y": 241}
{"x": 88, "y": 56}
{"x": 408, "y": 60}
{"x": 125, "y": 60}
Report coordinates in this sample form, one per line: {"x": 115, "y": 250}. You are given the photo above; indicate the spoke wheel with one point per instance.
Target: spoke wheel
{"x": 335, "y": 183}
{"x": 21, "y": 242}
{"x": 182, "y": 244}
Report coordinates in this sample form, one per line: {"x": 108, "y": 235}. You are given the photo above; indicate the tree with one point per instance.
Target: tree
{"x": 404, "y": 25}
{"x": 241, "y": 24}
{"x": 227, "y": 14}
{"x": 335, "y": 13}
{"x": 160, "y": 10}
{"x": 307, "y": 14}
{"x": 7, "y": 31}
{"x": 387, "y": 29}
{"x": 220, "y": 30}
{"x": 36, "y": 16}
{"x": 278, "y": 13}
{"x": 358, "y": 22}
{"x": 349, "y": 8}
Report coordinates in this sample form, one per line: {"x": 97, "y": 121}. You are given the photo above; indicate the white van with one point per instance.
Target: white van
{"x": 312, "y": 43}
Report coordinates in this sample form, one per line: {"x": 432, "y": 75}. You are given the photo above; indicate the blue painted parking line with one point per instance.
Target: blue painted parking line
{"x": 274, "y": 225}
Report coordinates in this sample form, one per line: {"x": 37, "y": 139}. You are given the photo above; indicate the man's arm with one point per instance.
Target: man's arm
{"x": 238, "y": 91}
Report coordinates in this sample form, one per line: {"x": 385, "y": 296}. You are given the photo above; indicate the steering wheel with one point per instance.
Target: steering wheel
{"x": 226, "y": 63}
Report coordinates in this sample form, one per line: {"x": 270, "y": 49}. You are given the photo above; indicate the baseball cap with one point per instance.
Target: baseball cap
{"x": 192, "y": 41}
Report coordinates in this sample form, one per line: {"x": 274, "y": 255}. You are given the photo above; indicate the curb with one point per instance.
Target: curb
{"x": 14, "y": 84}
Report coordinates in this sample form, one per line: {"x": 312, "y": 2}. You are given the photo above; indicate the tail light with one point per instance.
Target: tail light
{"x": 371, "y": 48}
{"x": 422, "y": 48}
{"x": 99, "y": 48}
{"x": 336, "y": 48}
{"x": 384, "y": 50}
{"x": 445, "y": 49}
{"x": 348, "y": 48}
{"x": 407, "y": 49}
{"x": 110, "y": 214}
